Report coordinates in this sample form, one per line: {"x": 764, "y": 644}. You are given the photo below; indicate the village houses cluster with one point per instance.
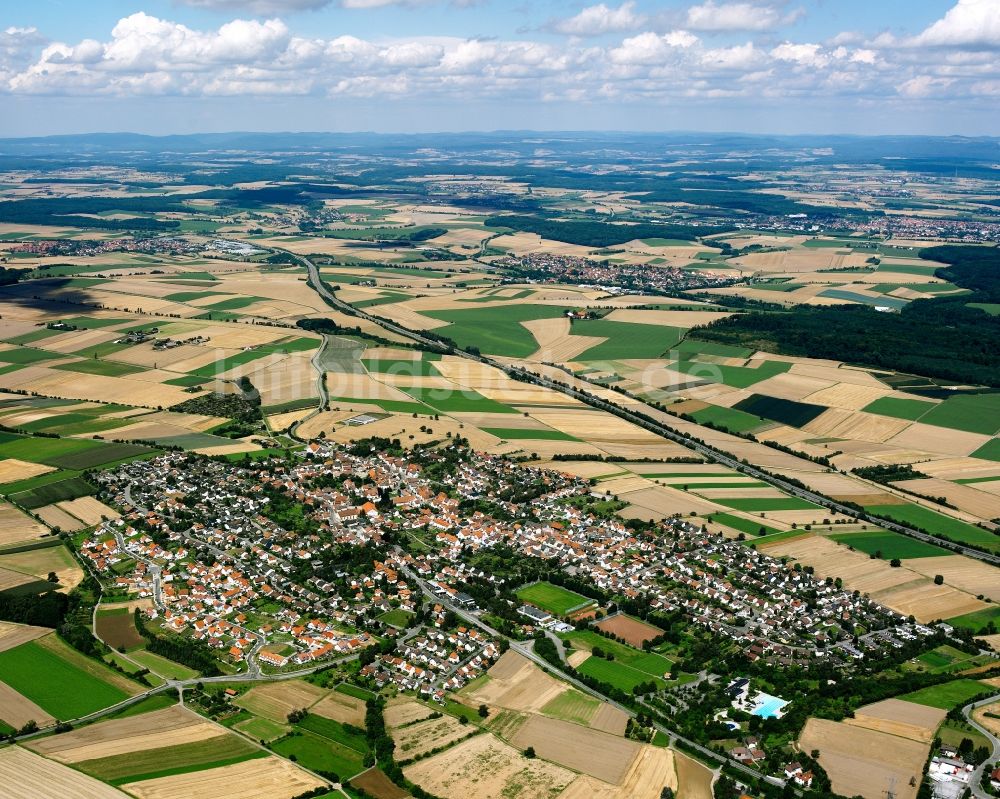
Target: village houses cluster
{"x": 206, "y": 549}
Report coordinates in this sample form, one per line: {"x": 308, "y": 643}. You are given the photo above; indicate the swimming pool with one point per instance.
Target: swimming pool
{"x": 767, "y": 706}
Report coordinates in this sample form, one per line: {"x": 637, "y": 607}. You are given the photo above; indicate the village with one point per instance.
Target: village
{"x": 283, "y": 563}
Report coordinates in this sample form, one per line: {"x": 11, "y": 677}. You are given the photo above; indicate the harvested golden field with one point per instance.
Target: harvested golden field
{"x": 967, "y": 574}
{"x": 88, "y": 510}
{"x": 39, "y": 562}
{"x": 264, "y": 778}
{"x": 12, "y": 579}
{"x": 485, "y": 766}
{"x": 929, "y": 602}
{"x": 161, "y": 728}
{"x": 855, "y": 425}
{"x": 422, "y": 737}
{"x": 863, "y": 762}
{"x": 609, "y": 719}
{"x": 12, "y": 635}
{"x": 967, "y": 498}
{"x": 670, "y": 318}
{"x": 403, "y": 710}
{"x": 555, "y": 344}
{"x": 849, "y": 396}
{"x": 12, "y": 469}
{"x": 694, "y": 779}
{"x": 17, "y": 710}
{"x": 633, "y": 631}
{"x": 901, "y": 589}
{"x": 48, "y": 779}
{"x": 55, "y": 516}
{"x": 341, "y": 707}
{"x": 517, "y": 684}
{"x": 990, "y": 722}
{"x": 142, "y": 389}
{"x": 277, "y": 699}
{"x": 653, "y": 769}
{"x": 606, "y": 757}
{"x": 901, "y": 718}
{"x": 662, "y": 501}
{"x": 16, "y": 526}
{"x": 928, "y": 438}
{"x": 992, "y": 641}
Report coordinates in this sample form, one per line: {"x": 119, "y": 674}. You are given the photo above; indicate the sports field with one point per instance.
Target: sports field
{"x": 553, "y": 598}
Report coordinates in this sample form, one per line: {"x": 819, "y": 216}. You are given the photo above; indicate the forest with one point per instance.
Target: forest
{"x": 941, "y": 337}
{"x": 599, "y": 234}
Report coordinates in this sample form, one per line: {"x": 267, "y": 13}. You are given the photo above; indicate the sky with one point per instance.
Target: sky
{"x": 758, "y": 66}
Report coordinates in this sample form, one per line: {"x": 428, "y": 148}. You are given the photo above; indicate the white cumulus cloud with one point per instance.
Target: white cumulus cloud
{"x": 599, "y": 19}
{"x": 973, "y": 23}
{"x": 739, "y": 16}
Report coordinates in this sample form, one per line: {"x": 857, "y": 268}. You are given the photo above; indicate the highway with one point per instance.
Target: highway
{"x": 646, "y": 423}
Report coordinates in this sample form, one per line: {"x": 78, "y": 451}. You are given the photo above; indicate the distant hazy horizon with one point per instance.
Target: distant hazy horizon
{"x": 760, "y": 66}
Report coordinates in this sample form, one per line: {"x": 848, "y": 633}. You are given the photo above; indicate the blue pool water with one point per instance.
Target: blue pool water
{"x": 767, "y": 706}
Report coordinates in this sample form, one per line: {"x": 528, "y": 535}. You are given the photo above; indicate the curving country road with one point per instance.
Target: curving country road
{"x": 977, "y": 776}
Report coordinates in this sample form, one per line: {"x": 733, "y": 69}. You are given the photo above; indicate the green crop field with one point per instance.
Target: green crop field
{"x": 497, "y": 329}
{"x": 223, "y": 749}
{"x": 990, "y": 451}
{"x": 733, "y": 376}
{"x": 938, "y": 524}
{"x": 57, "y": 686}
{"x": 320, "y": 754}
{"x": 788, "y": 412}
{"x": 626, "y": 339}
{"x": 59, "y": 491}
{"x": 410, "y": 368}
{"x": 187, "y": 296}
{"x": 616, "y": 674}
{"x": 553, "y": 598}
{"x": 751, "y": 526}
{"x": 891, "y": 545}
{"x": 899, "y": 408}
{"x": 728, "y": 419}
{"x": 572, "y": 706}
{"x": 93, "y": 366}
{"x": 335, "y": 731}
{"x": 28, "y": 355}
{"x": 455, "y": 401}
{"x": 974, "y": 413}
{"x": 162, "y": 666}
{"x": 760, "y": 504}
{"x": 354, "y": 690}
{"x": 647, "y": 662}
{"x": 261, "y": 729}
{"x": 45, "y": 450}
{"x": 948, "y": 695}
{"x": 977, "y": 620}
{"x": 516, "y": 434}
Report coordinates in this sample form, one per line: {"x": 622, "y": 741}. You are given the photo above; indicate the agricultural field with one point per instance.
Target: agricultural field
{"x": 485, "y": 766}
{"x": 633, "y": 631}
{"x": 948, "y": 695}
{"x": 60, "y": 680}
{"x": 862, "y": 762}
{"x": 48, "y": 778}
